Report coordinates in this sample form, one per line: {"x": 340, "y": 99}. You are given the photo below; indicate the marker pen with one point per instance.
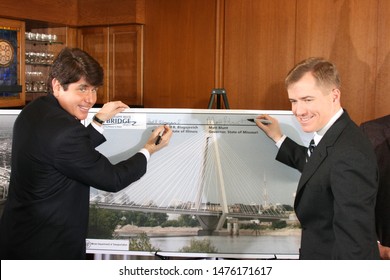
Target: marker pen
{"x": 263, "y": 121}
{"x": 158, "y": 140}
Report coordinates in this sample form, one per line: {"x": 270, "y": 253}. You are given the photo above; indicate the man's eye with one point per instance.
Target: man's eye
{"x": 88, "y": 89}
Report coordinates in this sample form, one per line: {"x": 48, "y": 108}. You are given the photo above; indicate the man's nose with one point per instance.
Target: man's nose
{"x": 90, "y": 97}
{"x": 299, "y": 108}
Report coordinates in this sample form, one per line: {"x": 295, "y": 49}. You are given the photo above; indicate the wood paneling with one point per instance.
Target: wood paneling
{"x": 257, "y": 42}
{"x": 245, "y": 46}
{"x": 259, "y": 50}
{"x": 54, "y": 11}
{"x": 71, "y": 37}
{"x": 179, "y": 66}
{"x": 125, "y": 67}
{"x": 94, "y": 40}
{"x": 251, "y": 42}
{"x": 382, "y": 92}
{"x": 103, "y": 12}
{"x": 344, "y": 32}
{"x": 119, "y": 50}
{"x": 75, "y": 12}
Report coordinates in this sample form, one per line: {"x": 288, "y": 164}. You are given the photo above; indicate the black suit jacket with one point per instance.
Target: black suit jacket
{"x": 378, "y": 131}
{"x": 54, "y": 163}
{"x": 335, "y": 198}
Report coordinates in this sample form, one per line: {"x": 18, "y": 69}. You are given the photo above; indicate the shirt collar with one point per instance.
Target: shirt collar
{"x": 319, "y": 134}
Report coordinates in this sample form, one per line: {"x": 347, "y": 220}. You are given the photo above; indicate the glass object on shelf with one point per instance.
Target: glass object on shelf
{"x": 35, "y": 82}
{"x": 42, "y": 58}
{"x": 42, "y": 38}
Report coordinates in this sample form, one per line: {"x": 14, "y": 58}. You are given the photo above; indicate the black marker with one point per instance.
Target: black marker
{"x": 263, "y": 121}
{"x": 158, "y": 140}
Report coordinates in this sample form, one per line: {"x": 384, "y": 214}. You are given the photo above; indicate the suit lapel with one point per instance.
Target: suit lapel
{"x": 312, "y": 165}
{"x": 320, "y": 153}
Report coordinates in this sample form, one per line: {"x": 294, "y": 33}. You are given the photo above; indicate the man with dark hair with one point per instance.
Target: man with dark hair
{"x": 54, "y": 163}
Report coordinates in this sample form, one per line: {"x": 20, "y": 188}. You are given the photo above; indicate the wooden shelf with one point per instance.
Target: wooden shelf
{"x": 12, "y": 88}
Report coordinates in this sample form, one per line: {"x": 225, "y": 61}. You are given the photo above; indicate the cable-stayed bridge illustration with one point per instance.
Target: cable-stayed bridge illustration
{"x": 215, "y": 167}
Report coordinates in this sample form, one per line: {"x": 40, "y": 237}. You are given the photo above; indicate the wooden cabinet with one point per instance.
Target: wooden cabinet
{"x": 119, "y": 49}
{"x": 94, "y": 40}
{"x": 11, "y": 63}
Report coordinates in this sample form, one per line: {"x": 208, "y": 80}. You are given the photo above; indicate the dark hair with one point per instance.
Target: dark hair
{"x": 324, "y": 72}
{"x": 72, "y": 64}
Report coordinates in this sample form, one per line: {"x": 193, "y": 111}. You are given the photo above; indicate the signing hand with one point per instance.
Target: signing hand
{"x": 272, "y": 130}
{"x": 152, "y": 145}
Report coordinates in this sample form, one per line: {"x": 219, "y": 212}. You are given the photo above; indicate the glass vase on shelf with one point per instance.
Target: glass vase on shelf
{"x": 42, "y": 38}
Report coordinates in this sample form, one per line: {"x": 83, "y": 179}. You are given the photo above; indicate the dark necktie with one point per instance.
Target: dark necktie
{"x": 310, "y": 150}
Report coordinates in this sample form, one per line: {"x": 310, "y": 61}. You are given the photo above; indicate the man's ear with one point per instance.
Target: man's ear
{"x": 336, "y": 94}
{"x": 56, "y": 86}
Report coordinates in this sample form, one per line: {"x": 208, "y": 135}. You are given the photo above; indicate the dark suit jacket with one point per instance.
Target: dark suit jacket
{"x": 54, "y": 163}
{"x": 378, "y": 131}
{"x": 336, "y": 194}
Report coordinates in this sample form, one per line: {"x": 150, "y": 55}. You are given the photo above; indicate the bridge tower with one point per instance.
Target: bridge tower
{"x": 211, "y": 223}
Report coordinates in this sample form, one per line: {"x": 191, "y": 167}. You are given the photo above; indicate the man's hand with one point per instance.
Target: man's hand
{"x": 272, "y": 130}
{"x": 384, "y": 252}
{"x": 110, "y": 109}
{"x": 152, "y": 145}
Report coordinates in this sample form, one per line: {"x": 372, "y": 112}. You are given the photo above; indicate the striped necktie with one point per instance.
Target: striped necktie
{"x": 310, "y": 150}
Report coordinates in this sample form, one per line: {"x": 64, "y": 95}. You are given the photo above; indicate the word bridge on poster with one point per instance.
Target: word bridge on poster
{"x": 217, "y": 163}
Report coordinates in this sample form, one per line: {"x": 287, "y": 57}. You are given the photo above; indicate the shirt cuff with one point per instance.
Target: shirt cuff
{"x": 99, "y": 128}
{"x": 280, "y": 142}
{"x": 146, "y": 153}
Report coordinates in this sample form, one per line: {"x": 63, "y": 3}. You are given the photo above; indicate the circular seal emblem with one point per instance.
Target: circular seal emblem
{"x": 6, "y": 53}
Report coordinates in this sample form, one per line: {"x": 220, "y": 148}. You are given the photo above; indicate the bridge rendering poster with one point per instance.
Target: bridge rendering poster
{"x": 215, "y": 190}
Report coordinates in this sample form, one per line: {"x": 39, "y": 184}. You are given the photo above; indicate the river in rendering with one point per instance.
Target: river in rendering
{"x": 258, "y": 245}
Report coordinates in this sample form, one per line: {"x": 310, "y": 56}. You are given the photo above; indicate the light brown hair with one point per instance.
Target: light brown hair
{"x": 324, "y": 72}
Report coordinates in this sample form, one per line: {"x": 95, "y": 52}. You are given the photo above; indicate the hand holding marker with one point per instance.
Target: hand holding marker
{"x": 158, "y": 140}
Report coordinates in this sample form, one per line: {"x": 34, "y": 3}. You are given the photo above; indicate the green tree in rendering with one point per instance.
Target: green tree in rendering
{"x": 199, "y": 246}
{"x": 141, "y": 242}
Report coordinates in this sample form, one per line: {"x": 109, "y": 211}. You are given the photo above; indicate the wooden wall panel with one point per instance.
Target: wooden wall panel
{"x": 71, "y": 37}
{"x": 382, "y": 97}
{"x": 179, "y": 57}
{"x": 125, "y": 74}
{"x": 94, "y": 40}
{"x": 245, "y": 46}
{"x": 54, "y": 11}
{"x": 259, "y": 51}
{"x": 75, "y": 12}
{"x": 103, "y": 12}
{"x": 344, "y": 31}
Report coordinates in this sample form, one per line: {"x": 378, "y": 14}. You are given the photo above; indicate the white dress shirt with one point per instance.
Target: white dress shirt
{"x": 317, "y": 134}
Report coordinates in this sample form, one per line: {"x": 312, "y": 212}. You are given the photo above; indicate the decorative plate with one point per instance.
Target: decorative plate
{"x": 6, "y": 53}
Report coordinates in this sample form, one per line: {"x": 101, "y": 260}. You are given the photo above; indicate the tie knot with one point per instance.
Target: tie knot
{"x": 312, "y": 145}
